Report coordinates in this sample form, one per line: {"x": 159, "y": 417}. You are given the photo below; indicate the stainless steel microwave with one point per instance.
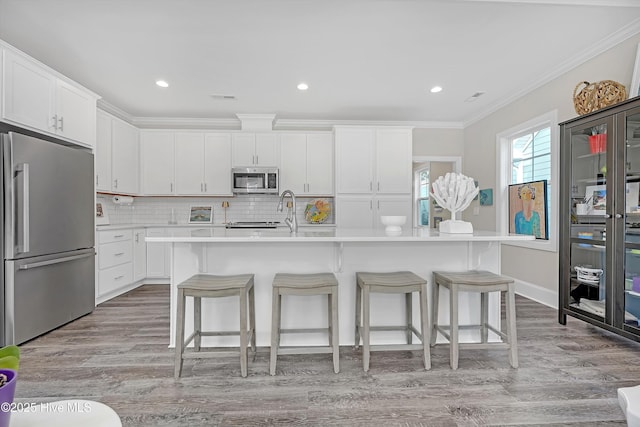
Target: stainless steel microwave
{"x": 254, "y": 180}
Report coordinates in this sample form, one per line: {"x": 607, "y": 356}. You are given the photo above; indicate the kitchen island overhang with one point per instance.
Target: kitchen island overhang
{"x": 216, "y": 250}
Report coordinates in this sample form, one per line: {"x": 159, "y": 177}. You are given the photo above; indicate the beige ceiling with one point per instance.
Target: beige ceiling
{"x": 363, "y": 59}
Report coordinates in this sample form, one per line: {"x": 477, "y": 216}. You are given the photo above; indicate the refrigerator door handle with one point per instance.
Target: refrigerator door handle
{"x": 55, "y": 261}
{"x": 24, "y": 245}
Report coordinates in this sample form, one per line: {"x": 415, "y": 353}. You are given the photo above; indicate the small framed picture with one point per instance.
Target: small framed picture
{"x": 102, "y": 217}
{"x": 201, "y": 214}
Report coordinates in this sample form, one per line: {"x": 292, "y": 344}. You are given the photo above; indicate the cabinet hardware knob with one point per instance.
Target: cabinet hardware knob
{"x": 55, "y": 121}
{"x": 61, "y": 121}
{"x": 618, "y": 216}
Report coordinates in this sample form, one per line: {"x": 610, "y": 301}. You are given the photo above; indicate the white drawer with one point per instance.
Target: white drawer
{"x": 115, "y": 253}
{"x": 114, "y": 278}
{"x": 109, "y": 236}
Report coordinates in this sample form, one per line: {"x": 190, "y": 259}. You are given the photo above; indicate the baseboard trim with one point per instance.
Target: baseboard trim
{"x": 537, "y": 293}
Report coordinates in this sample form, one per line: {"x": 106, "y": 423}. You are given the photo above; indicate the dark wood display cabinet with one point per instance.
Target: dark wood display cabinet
{"x": 600, "y": 219}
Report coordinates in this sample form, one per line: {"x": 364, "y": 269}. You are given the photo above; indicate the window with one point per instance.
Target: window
{"x": 529, "y": 152}
{"x": 422, "y": 202}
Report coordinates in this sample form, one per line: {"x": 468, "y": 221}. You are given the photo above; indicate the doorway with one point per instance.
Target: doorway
{"x": 427, "y": 213}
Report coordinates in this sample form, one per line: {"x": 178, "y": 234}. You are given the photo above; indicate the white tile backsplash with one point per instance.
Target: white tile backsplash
{"x": 157, "y": 210}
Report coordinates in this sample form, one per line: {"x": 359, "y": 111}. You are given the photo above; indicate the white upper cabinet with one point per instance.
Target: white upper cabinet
{"x": 393, "y": 161}
{"x": 116, "y": 155}
{"x": 374, "y": 160}
{"x": 217, "y": 164}
{"x": 354, "y": 159}
{"x": 189, "y": 160}
{"x": 156, "y": 149}
{"x": 203, "y": 163}
{"x": 124, "y": 157}
{"x": 103, "y": 152}
{"x": 254, "y": 149}
{"x": 306, "y": 163}
{"x": 34, "y": 97}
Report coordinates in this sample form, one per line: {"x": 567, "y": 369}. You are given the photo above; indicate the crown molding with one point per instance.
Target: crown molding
{"x": 284, "y": 124}
{"x": 185, "y": 123}
{"x": 114, "y": 111}
{"x": 580, "y": 58}
{"x": 612, "y": 3}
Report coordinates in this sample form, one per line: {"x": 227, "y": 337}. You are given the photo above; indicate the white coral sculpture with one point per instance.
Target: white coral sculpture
{"x": 454, "y": 192}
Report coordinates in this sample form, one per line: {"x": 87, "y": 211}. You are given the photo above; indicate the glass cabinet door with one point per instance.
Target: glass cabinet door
{"x": 631, "y": 293}
{"x": 590, "y": 181}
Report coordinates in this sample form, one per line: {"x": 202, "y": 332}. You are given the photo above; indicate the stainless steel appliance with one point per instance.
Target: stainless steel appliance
{"x": 254, "y": 180}
{"x": 48, "y": 273}
{"x": 252, "y": 224}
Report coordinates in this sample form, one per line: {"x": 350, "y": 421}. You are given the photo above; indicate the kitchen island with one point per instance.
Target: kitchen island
{"x": 264, "y": 252}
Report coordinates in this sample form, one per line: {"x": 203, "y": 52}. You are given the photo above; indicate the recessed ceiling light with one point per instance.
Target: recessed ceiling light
{"x": 436, "y": 89}
{"x": 162, "y": 83}
{"x": 303, "y": 86}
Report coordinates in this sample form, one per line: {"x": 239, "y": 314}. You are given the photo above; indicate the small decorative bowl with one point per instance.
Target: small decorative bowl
{"x": 393, "y": 223}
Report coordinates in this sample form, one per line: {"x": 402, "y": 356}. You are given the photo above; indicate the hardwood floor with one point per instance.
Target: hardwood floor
{"x": 118, "y": 355}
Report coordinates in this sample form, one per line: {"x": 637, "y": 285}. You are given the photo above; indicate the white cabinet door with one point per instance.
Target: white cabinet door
{"x": 76, "y": 113}
{"x": 189, "y": 163}
{"x": 354, "y": 149}
{"x": 157, "y": 162}
{"x": 157, "y": 255}
{"x": 139, "y": 255}
{"x": 217, "y": 164}
{"x": 103, "y": 152}
{"x": 244, "y": 149}
{"x": 266, "y": 149}
{"x": 354, "y": 212}
{"x": 293, "y": 162}
{"x": 124, "y": 157}
{"x": 320, "y": 164}
{"x": 393, "y": 161}
{"x": 29, "y": 97}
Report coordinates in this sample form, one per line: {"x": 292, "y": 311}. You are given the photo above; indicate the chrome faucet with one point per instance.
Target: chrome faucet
{"x": 291, "y": 220}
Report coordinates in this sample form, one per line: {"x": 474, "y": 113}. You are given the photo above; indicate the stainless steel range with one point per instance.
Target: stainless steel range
{"x": 253, "y": 224}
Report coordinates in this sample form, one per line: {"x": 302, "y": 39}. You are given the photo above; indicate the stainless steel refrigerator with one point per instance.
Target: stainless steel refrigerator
{"x": 48, "y": 276}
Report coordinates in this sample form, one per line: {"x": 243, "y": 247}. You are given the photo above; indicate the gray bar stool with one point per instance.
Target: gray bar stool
{"x": 210, "y": 286}
{"x": 305, "y": 284}
{"x": 400, "y": 282}
{"x": 483, "y": 282}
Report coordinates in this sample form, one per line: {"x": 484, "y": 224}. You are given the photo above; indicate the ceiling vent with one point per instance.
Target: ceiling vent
{"x": 223, "y": 96}
{"x": 474, "y": 97}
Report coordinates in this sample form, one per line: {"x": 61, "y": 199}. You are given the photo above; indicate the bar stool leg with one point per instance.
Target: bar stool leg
{"x": 244, "y": 301}
{"x": 335, "y": 341}
{"x": 252, "y": 318}
{"x": 358, "y": 314}
{"x": 484, "y": 316}
{"x": 179, "y": 334}
{"x": 408, "y": 298}
{"x": 365, "y": 327}
{"x": 426, "y": 335}
{"x": 453, "y": 332}
{"x": 197, "y": 323}
{"x": 275, "y": 330}
{"x": 434, "y": 321}
{"x": 511, "y": 326}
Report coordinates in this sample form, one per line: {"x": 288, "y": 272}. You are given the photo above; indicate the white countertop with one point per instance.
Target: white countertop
{"x": 192, "y": 226}
{"x": 217, "y": 234}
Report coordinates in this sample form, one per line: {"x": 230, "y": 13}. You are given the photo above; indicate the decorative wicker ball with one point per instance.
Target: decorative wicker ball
{"x": 594, "y": 96}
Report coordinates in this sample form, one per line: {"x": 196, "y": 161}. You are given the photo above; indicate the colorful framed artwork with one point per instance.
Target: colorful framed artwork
{"x": 201, "y": 215}
{"x": 486, "y": 197}
{"x": 528, "y": 209}
{"x": 102, "y": 216}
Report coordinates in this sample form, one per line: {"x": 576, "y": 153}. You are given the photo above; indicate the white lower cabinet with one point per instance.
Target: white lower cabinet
{"x": 157, "y": 255}
{"x": 365, "y": 212}
{"x": 115, "y": 263}
{"x": 139, "y": 254}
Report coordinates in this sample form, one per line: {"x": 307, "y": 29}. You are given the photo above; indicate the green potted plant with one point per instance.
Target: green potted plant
{"x": 9, "y": 363}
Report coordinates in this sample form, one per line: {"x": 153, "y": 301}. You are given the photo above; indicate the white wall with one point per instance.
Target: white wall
{"x": 538, "y": 268}
{"x": 438, "y": 142}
